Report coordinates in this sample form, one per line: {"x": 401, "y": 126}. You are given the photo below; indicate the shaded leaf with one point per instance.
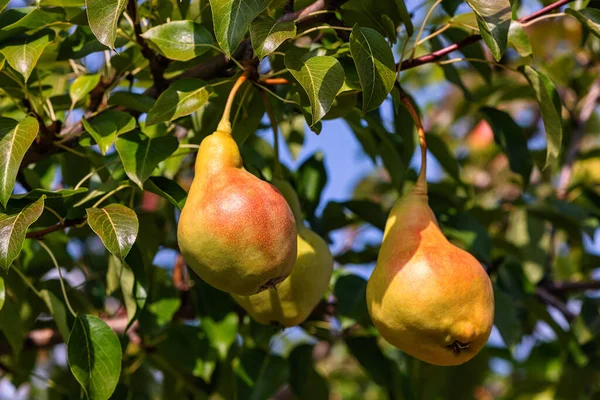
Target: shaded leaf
{"x": 23, "y": 53}
{"x": 13, "y": 228}
{"x": 32, "y": 19}
{"x": 15, "y": 139}
{"x": 232, "y": 18}
{"x": 50, "y": 194}
{"x": 58, "y": 311}
{"x": 103, "y": 17}
{"x": 493, "y": 18}
{"x": 550, "y": 105}
{"x": 94, "y": 354}
{"x": 132, "y": 101}
{"x": 509, "y": 136}
{"x": 267, "y": 34}
{"x": 405, "y": 16}
{"x": 473, "y": 51}
{"x": 141, "y": 154}
{"x": 442, "y": 153}
{"x": 305, "y": 381}
{"x": 589, "y": 17}
{"x": 11, "y": 326}
{"x": 116, "y": 225}
{"x": 180, "y": 99}
{"x": 221, "y": 334}
{"x": 180, "y": 40}
{"x": 375, "y": 65}
{"x": 168, "y": 189}
{"x": 107, "y": 126}
{"x": 321, "y": 77}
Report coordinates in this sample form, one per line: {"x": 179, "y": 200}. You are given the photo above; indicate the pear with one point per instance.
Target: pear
{"x": 426, "y": 296}
{"x": 236, "y": 231}
{"x": 292, "y": 301}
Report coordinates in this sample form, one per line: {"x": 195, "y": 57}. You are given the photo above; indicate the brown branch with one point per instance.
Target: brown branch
{"x": 551, "y": 300}
{"x": 58, "y": 227}
{"x": 544, "y": 11}
{"x": 436, "y": 55}
{"x": 566, "y": 287}
{"x": 158, "y": 63}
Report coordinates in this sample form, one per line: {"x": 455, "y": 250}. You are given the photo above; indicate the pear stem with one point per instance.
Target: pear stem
{"x": 225, "y": 124}
{"x": 421, "y": 185}
{"x": 277, "y": 173}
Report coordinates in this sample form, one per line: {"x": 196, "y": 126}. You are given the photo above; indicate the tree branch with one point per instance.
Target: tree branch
{"x": 58, "y": 227}
{"x": 567, "y": 287}
{"x": 436, "y": 55}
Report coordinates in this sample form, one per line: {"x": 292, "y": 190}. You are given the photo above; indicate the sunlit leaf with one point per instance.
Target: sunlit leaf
{"x": 22, "y": 53}
{"x": 180, "y": 40}
{"x": 13, "y": 228}
{"x": 320, "y": 76}
{"x": 116, "y": 225}
{"x": 180, "y": 99}
{"x": 103, "y": 17}
{"x": 15, "y": 139}
{"x": 375, "y": 65}
{"x": 232, "y": 18}
{"x": 82, "y": 85}
{"x": 493, "y": 18}
{"x": 267, "y": 34}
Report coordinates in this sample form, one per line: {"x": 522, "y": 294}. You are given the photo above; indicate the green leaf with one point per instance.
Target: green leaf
{"x": 506, "y": 317}
{"x": 519, "y": 40}
{"x": 267, "y": 34}
{"x": 321, "y": 77}
{"x": 266, "y": 374}
{"x": 2, "y": 293}
{"x": 221, "y": 334}
{"x": 405, "y": 16}
{"x": 180, "y": 99}
{"x": 50, "y": 194}
{"x": 94, "y": 354}
{"x": 589, "y": 17}
{"x": 232, "y": 18}
{"x": 15, "y": 139}
{"x": 11, "y": 326}
{"x": 305, "y": 381}
{"x": 58, "y": 311}
{"x": 473, "y": 51}
{"x": 14, "y": 225}
{"x": 134, "y": 294}
{"x": 23, "y": 53}
{"x": 131, "y": 101}
{"x": 442, "y": 153}
{"x": 509, "y": 136}
{"x": 180, "y": 40}
{"x": 141, "y": 154}
{"x": 82, "y": 85}
{"x": 350, "y": 290}
{"x": 550, "y": 105}
{"x": 105, "y": 127}
{"x": 103, "y": 17}
{"x": 3, "y": 4}
{"x": 493, "y": 18}
{"x": 116, "y": 225}
{"x": 375, "y": 65}
{"x": 168, "y": 189}
{"x": 32, "y": 19}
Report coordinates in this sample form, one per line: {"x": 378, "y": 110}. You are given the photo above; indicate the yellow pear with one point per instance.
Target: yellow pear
{"x": 292, "y": 301}
{"x": 426, "y": 296}
{"x": 236, "y": 231}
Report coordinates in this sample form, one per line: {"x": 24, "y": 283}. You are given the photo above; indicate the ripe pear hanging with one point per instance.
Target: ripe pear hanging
{"x": 426, "y": 296}
{"x": 236, "y": 231}
{"x": 292, "y": 301}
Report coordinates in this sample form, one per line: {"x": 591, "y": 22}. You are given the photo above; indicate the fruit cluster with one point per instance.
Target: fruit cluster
{"x": 247, "y": 237}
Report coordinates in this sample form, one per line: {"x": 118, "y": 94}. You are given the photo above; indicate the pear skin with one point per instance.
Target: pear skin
{"x": 292, "y": 301}
{"x": 426, "y": 296}
{"x": 236, "y": 231}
